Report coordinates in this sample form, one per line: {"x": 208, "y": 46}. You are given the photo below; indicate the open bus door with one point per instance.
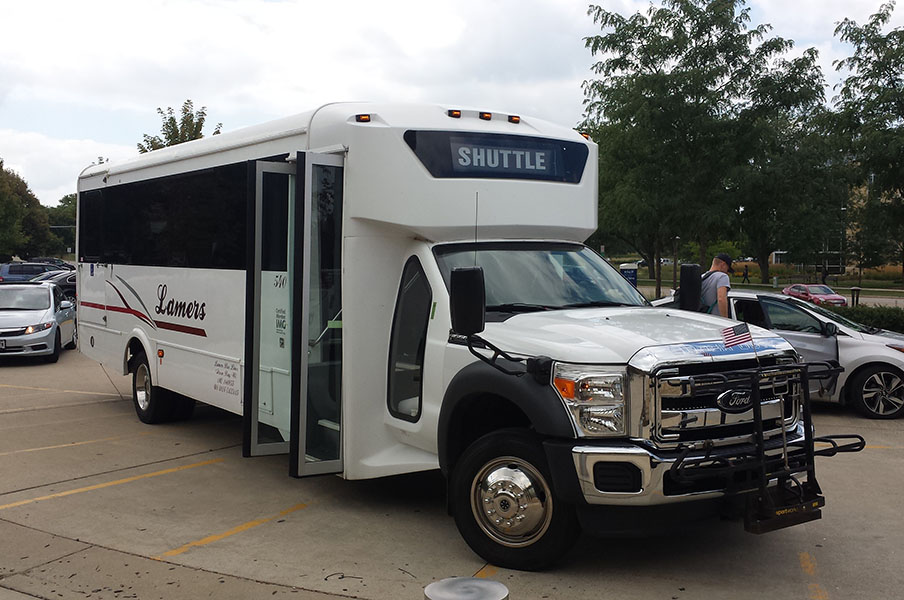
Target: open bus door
{"x": 294, "y": 319}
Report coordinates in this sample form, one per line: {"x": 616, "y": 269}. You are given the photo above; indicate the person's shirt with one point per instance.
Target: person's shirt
{"x": 709, "y": 290}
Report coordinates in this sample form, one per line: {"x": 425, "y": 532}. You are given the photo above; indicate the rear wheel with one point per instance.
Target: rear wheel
{"x": 504, "y": 505}
{"x": 878, "y": 392}
{"x": 152, "y": 403}
{"x": 73, "y": 343}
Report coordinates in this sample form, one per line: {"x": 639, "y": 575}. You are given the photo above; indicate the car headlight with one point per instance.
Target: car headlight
{"x": 595, "y": 397}
{"x": 38, "y": 327}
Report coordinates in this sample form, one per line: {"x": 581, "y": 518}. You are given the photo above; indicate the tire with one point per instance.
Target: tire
{"x": 55, "y": 355}
{"x": 73, "y": 343}
{"x": 488, "y": 485}
{"x": 878, "y": 392}
{"x": 152, "y": 403}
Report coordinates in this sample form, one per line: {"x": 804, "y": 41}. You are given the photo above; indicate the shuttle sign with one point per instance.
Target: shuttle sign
{"x": 473, "y": 158}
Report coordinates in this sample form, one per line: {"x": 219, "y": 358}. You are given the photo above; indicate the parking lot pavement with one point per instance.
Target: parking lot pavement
{"x": 95, "y": 504}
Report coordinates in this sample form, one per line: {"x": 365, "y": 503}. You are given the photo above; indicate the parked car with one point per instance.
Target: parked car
{"x": 872, "y": 358}
{"x": 65, "y": 280}
{"x": 58, "y": 262}
{"x": 23, "y": 271}
{"x": 35, "y": 320}
{"x": 817, "y": 294}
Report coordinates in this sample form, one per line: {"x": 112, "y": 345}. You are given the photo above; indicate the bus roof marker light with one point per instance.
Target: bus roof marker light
{"x": 514, "y": 119}
{"x": 455, "y": 114}
{"x": 486, "y": 116}
{"x": 362, "y": 118}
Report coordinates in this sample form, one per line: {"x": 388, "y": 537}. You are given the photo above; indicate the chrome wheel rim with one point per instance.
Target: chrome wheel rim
{"x": 883, "y": 393}
{"x": 511, "y": 502}
{"x": 142, "y": 387}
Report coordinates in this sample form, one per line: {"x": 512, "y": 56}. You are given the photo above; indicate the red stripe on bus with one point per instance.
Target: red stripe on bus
{"x": 181, "y": 328}
{"x": 161, "y": 324}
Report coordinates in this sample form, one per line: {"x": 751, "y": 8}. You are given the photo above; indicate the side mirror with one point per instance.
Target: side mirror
{"x": 829, "y": 329}
{"x": 689, "y": 298}
{"x": 468, "y": 300}
{"x": 65, "y": 305}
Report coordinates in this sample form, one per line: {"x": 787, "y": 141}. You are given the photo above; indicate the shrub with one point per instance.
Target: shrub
{"x": 884, "y": 317}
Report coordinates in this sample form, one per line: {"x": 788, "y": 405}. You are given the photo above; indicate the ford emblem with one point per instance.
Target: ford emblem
{"x": 734, "y": 401}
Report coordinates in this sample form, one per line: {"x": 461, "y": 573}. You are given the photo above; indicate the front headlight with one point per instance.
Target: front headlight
{"x": 38, "y": 327}
{"x": 595, "y": 397}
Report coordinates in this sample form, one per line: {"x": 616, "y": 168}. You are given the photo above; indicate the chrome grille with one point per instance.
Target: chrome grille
{"x": 687, "y": 409}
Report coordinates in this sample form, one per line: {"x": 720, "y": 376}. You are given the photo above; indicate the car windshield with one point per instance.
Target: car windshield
{"x": 820, "y": 289}
{"x": 24, "y": 298}
{"x": 833, "y": 316}
{"x": 531, "y": 276}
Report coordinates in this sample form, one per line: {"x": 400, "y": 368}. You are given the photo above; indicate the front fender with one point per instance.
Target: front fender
{"x": 479, "y": 381}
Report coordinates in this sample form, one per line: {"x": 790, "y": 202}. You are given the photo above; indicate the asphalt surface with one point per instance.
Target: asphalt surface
{"x": 95, "y": 504}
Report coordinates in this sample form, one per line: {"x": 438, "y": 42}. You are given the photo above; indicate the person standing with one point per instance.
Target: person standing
{"x": 746, "y": 274}
{"x": 715, "y": 285}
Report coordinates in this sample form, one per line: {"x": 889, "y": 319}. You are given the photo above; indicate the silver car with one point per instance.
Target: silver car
{"x": 35, "y": 320}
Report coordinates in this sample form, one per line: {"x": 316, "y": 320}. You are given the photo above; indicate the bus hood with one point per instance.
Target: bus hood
{"x": 615, "y": 335}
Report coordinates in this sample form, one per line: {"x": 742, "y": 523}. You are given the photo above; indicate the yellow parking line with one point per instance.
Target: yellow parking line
{"x": 99, "y": 486}
{"x": 219, "y": 536}
{"x": 488, "y": 570}
{"x": 808, "y": 566}
{"x": 41, "y": 389}
{"x": 71, "y": 444}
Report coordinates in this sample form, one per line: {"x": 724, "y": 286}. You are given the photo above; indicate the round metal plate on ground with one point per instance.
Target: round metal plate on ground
{"x": 466, "y": 588}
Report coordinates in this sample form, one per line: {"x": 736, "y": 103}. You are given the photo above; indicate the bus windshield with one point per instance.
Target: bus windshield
{"x": 532, "y": 276}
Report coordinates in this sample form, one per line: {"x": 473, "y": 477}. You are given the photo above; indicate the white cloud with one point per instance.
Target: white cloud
{"x": 82, "y": 79}
{"x": 51, "y": 166}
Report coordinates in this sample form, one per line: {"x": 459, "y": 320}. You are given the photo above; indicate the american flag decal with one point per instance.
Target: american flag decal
{"x": 739, "y": 334}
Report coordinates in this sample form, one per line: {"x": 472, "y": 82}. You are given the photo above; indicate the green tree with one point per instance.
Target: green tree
{"x": 871, "y": 112}
{"x": 12, "y": 206}
{"x": 62, "y": 220}
{"x": 667, "y": 112}
{"x": 175, "y": 131}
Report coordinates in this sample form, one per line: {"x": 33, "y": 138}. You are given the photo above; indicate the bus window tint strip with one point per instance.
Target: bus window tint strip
{"x": 195, "y": 219}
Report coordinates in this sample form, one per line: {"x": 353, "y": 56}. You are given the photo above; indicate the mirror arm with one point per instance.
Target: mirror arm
{"x": 497, "y": 352}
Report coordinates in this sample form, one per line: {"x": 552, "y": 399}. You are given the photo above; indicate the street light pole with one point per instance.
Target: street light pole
{"x": 675, "y": 263}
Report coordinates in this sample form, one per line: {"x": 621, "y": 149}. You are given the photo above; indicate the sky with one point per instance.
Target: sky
{"x": 82, "y": 80}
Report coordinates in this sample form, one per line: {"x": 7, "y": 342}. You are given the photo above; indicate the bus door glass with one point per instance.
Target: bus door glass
{"x": 270, "y": 364}
{"x": 318, "y": 416}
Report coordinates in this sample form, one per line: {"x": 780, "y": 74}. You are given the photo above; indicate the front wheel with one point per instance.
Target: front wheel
{"x": 878, "y": 392}
{"x": 504, "y": 504}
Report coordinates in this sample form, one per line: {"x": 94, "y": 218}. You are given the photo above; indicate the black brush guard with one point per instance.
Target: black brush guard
{"x": 770, "y": 470}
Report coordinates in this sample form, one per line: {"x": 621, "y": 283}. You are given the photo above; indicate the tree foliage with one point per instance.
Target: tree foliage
{"x": 870, "y": 108}
{"x": 176, "y": 131}
{"x": 690, "y": 103}
{"x": 24, "y": 226}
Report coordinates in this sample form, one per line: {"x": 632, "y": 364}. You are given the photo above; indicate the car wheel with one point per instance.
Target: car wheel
{"x": 55, "y": 355}
{"x": 152, "y": 403}
{"x": 504, "y": 505}
{"x": 73, "y": 343}
{"x": 878, "y": 392}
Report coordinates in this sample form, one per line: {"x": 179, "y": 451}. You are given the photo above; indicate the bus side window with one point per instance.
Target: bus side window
{"x": 408, "y": 341}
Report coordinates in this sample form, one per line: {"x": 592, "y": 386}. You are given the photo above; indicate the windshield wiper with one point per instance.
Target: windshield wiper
{"x": 519, "y": 307}
{"x": 597, "y": 303}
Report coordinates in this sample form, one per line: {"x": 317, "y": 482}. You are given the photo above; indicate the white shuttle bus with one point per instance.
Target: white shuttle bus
{"x": 302, "y": 273}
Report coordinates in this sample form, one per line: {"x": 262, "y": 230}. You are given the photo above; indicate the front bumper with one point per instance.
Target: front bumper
{"x": 633, "y": 474}
{"x": 33, "y": 344}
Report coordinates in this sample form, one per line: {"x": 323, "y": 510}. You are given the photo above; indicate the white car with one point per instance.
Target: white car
{"x": 35, "y": 320}
{"x": 873, "y": 359}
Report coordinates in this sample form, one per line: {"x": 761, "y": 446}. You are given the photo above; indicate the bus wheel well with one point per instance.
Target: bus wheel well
{"x": 478, "y": 416}
{"x": 135, "y": 347}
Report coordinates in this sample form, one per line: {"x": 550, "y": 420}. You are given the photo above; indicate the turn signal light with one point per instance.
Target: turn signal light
{"x": 362, "y": 118}
{"x": 565, "y": 387}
